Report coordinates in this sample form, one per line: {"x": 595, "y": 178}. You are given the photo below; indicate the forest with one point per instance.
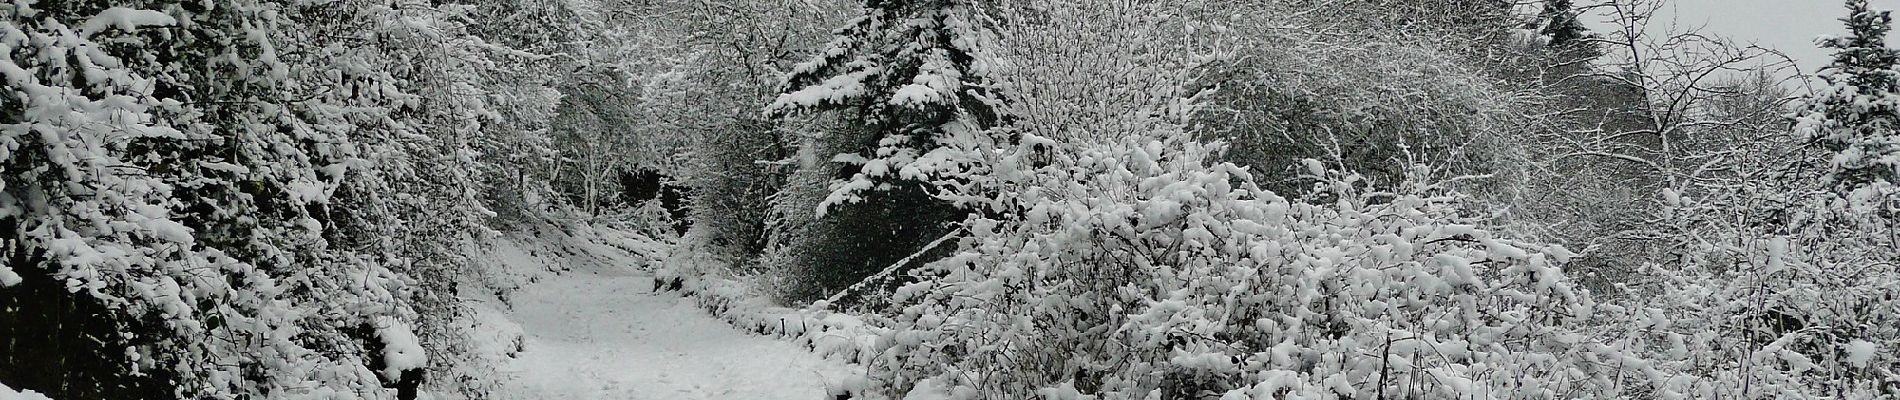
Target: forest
{"x": 942, "y": 199}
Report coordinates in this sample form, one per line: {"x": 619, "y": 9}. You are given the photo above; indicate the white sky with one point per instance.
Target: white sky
{"x": 1786, "y": 25}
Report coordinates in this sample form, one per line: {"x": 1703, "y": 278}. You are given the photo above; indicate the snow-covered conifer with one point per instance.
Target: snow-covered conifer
{"x": 1565, "y": 31}
{"x": 903, "y": 74}
{"x": 905, "y": 69}
{"x": 1561, "y": 24}
{"x": 1857, "y": 114}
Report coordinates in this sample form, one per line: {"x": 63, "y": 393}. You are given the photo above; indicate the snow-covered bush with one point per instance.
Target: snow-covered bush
{"x": 1775, "y": 287}
{"x": 1803, "y": 314}
{"x": 1115, "y": 256}
{"x": 239, "y": 199}
{"x": 524, "y": 37}
{"x": 183, "y": 199}
{"x": 1110, "y": 254}
{"x": 1180, "y": 281}
{"x": 409, "y": 86}
{"x": 1783, "y": 277}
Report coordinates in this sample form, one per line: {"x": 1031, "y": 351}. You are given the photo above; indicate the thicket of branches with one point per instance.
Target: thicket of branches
{"x": 1125, "y": 170}
{"x": 1058, "y": 198}
{"x": 276, "y": 199}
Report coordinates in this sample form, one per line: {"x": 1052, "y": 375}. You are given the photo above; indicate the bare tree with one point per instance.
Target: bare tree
{"x": 1656, "y": 113}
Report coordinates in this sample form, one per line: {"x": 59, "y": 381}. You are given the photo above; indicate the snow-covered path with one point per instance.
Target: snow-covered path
{"x": 606, "y": 335}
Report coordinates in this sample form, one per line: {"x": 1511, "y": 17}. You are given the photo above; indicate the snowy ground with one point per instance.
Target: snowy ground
{"x": 601, "y": 332}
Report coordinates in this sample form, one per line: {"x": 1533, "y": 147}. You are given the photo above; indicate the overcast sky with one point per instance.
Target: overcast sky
{"x": 1787, "y": 25}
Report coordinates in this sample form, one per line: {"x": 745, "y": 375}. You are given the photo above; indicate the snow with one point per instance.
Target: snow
{"x": 929, "y": 389}
{"x": 169, "y": 230}
{"x": 1860, "y": 352}
{"x": 7, "y": 393}
{"x": 402, "y": 350}
{"x": 8, "y": 277}
{"x": 125, "y": 19}
{"x": 605, "y": 334}
{"x": 834, "y": 90}
{"x": 915, "y": 95}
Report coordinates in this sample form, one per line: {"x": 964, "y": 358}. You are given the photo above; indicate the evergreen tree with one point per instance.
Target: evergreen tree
{"x": 903, "y": 72}
{"x": 902, "y": 66}
{"x": 1566, "y": 33}
{"x": 1856, "y": 115}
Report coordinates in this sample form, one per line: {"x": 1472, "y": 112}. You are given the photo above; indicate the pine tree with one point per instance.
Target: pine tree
{"x": 902, "y": 72}
{"x": 902, "y": 65}
{"x": 1566, "y": 33}
{"x": 904, "y": 69}
{"x": 1855, "y": 117}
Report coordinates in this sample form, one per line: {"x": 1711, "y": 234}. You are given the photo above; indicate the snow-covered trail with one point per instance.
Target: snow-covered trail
{"x": 607, "y": 335}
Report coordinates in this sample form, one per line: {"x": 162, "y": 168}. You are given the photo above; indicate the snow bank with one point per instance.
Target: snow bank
{"x": 490, "y": 334}
{"x": 834, "y": 335}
